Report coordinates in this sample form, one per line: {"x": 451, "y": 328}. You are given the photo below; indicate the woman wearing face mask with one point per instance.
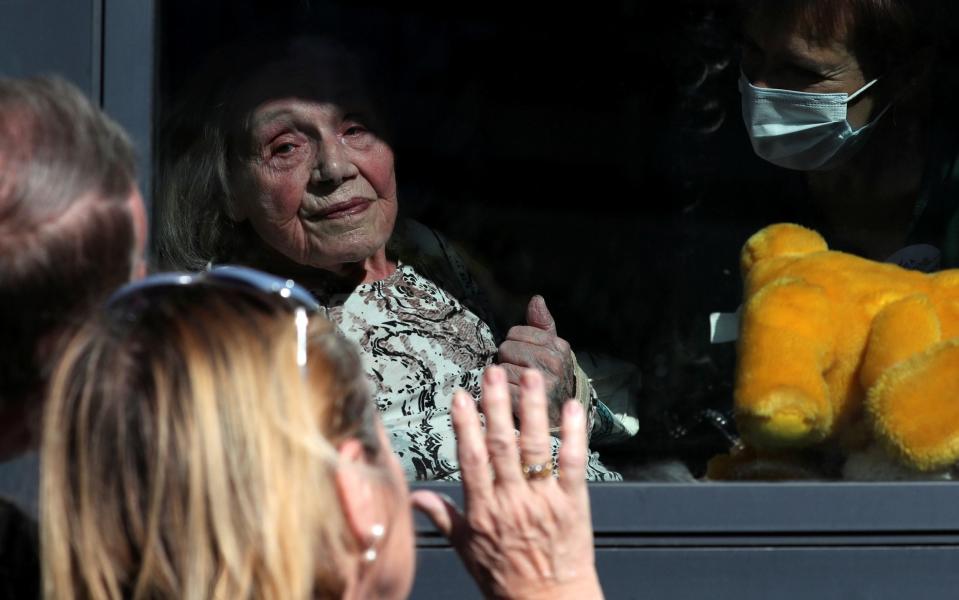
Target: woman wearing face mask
{"x": 849, "y": 105}
{"x": 848, "y": 93}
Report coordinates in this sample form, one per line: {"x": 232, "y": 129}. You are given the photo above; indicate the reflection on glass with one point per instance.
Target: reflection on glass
{"x": 596, "y": 159}
{"x": 293, "y": 175}
{"x": 830, "y": 382}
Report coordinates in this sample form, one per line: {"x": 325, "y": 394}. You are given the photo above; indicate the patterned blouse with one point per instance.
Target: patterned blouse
{"x": 419, "y": 344}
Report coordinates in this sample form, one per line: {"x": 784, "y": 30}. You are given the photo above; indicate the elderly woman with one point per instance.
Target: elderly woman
{"x": 226, "y": 447}
{"x": 848, "y": 93}
{"x": 284, "y": 166}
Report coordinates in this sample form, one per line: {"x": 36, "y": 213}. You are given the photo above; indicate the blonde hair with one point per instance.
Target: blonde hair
{"x": 185, "y": 455}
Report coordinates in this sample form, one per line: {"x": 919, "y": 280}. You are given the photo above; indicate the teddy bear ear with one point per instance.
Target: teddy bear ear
{"x": 782, "y": 239}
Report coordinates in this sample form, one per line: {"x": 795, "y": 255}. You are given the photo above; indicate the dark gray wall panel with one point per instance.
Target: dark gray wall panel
{"x": 738, "y": 573}
{"x": 744, "y": 541}
{"x": 106, "y": 47}
{"x": 763, "y": 508}
{"x": 51, "y": 36}
{"x": 128, "y": 76}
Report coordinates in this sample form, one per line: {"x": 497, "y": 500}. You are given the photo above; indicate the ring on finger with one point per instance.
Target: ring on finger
{"x": 538, "y": 470}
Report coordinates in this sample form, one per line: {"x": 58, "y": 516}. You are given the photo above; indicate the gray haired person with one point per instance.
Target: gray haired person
{"x": 72, "y": 228}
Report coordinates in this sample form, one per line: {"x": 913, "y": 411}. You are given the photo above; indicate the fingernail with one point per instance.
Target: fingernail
{"x": 459, "y": 398}
{"x": 524, "y": 378}
{"x": 573, "y": 411}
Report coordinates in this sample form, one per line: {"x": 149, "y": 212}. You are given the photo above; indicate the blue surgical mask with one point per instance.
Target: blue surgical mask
{"x": 801, "y": 130}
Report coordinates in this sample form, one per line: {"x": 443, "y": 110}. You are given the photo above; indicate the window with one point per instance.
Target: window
{"x": 683, "y": 191}
{"x": 600, "y": 158}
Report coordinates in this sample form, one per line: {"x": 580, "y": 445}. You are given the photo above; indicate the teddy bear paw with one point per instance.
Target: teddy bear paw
{"x": 915, "y": 409}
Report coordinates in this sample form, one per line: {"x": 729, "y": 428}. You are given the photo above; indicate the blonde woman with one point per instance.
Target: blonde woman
{"x": 206, "y": 438}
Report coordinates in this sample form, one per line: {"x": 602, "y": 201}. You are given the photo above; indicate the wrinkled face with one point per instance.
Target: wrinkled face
{"x": 792, "y": 60}
{"x": 315, "y": 181}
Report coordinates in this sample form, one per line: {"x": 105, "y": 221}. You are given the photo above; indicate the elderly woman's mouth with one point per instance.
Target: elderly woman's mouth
{"x": 339, "y": 210}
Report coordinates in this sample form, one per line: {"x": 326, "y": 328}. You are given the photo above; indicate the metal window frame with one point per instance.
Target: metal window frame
{"x": 751, "y": 540}
{"x": 127, "y": 66}
{"x": 729, "y": 540}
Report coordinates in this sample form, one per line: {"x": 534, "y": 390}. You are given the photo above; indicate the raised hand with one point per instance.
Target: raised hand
{"x": 536, "y": 346}
{"x": 525, "y": 532}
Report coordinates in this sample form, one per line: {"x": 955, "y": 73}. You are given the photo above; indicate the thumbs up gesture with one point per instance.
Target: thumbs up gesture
{"x": 536, "y": 346}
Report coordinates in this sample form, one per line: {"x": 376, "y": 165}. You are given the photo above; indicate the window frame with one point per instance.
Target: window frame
{"x": 128, "y": 76}
{"x": 744, "y": 540}
{"x": 750, "y": 540}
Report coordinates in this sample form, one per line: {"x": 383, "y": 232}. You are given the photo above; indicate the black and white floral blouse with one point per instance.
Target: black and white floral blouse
{"x": 419, "y": 344}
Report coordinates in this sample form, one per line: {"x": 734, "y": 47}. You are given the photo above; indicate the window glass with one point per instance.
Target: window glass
{"x": 614, "y": 159}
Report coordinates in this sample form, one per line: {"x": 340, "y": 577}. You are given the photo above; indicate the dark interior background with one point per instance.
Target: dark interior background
{"x": 590, "y": 152}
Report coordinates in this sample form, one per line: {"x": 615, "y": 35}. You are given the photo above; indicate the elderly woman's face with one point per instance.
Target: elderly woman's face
{"x": 791, "y": 60}
{"x": 315, "y": 181}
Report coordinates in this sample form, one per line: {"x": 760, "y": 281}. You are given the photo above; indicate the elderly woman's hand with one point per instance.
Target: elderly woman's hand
{"x": 525, "y": 532}
{"x": 536, "y": 346}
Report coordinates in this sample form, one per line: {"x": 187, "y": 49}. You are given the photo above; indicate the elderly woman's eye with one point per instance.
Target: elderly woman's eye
{"x": 284, "y": 148}
{"x": 355, "y": 130}
{"x": 806, "y": 74}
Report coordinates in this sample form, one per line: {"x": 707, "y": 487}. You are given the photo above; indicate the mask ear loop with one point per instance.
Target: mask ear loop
{"x": 855, "y": 94}
{"x": 301, "y": 320}
{"x": 882, "y": 112}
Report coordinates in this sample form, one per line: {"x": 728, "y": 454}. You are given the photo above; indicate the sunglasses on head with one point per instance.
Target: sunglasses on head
{"x": 228, "y": 276}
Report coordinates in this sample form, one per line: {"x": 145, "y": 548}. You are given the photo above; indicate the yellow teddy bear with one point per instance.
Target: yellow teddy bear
{"x": 836, "y": 351}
